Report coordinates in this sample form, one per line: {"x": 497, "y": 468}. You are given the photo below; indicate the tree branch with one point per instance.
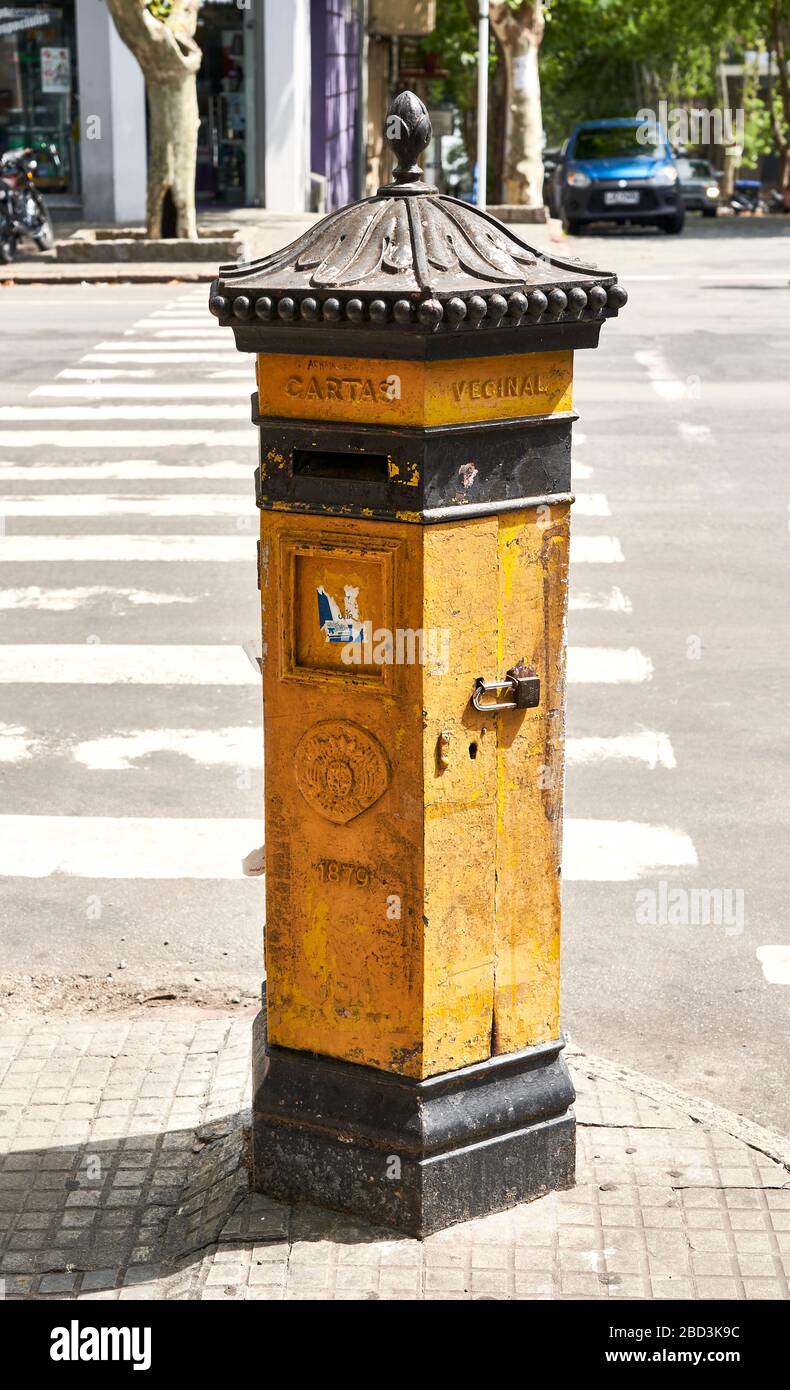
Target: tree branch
{"x": 164, "y": 52}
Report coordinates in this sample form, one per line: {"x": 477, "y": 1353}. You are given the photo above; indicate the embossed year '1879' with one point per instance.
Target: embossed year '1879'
{"x": 332, "y": 871}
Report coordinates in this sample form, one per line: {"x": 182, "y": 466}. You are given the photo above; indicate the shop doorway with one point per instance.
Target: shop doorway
{"x": 225, "y": 97}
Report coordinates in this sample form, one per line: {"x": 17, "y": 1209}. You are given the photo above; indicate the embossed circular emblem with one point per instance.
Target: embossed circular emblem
{"x": 341, "y": 769}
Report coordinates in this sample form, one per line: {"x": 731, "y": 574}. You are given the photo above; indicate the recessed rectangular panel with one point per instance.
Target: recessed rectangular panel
{"x": 337, "y": 604}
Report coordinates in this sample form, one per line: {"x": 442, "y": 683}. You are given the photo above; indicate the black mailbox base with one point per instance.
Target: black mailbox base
{"x": 414, "y": 1155}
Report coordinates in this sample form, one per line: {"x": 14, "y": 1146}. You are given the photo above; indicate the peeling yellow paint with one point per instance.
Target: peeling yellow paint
{"x": 422, "y": 934}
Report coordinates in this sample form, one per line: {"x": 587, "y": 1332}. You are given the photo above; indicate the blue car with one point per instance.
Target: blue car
{"x": 620, "y": 171}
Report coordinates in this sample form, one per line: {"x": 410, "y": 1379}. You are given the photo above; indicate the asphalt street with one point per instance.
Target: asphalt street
{"x": 130, "y": 713}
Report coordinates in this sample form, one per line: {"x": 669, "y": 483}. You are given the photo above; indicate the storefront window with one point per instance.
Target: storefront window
{"x": 38, "y": 102}
{"x": 222, "y": 96}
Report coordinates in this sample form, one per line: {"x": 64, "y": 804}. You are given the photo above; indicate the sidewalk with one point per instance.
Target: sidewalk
{"x": 123, "y": 1176}
{"x": 262, "y": 231}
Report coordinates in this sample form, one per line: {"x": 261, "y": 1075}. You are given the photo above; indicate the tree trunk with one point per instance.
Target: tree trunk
{"x": 173, "y": 123}
{"x": 780, "y": 44}
{"x": 170, "y": 59}
{"x": 731, "y": 165}
{"x": 520, "y": 32}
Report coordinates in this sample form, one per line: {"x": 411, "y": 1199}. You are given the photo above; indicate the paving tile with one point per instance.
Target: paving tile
{"x": 663, "y": 1208}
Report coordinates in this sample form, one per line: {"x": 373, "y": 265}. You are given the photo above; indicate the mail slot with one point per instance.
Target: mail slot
{"x": 350, "y": 467}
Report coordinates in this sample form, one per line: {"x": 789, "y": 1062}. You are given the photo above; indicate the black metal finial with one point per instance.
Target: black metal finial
{"x": 408, "y": 132}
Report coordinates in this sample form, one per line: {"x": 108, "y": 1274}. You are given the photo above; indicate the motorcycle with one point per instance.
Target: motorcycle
{"x": 23, "y": 211}
{"x": 746, "y": 196}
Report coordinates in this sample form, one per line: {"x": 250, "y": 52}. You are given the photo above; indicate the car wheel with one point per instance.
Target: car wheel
{"x": 572, "y": 226}
{"x": 673, "y": 225}
{"x": 709, "y": 212}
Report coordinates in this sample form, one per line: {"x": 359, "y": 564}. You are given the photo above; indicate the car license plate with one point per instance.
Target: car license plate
{"x": 622, "y": 197}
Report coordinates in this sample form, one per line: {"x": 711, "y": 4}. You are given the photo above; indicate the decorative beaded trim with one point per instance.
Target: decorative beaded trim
{"x": 476, "y": 311}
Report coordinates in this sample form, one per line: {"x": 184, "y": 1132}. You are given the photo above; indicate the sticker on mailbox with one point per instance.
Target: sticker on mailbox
{"x": 336, "y": 626}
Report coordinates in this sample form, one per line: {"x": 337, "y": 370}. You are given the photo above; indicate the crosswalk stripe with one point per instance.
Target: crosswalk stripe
{"x": 775, "y": 962}
{"x": 87, "y": 414}
{"x": 16, "y": 746}
{"x": 192, "y": 335}
{"x": 42, "y": 550}
{"x": 153, "y": 391}
{"x": 105, "y": 504}
{"x": 177, "y": 359}
{"x": 231, "y": 747}
{"x": 160, "y": 664}
{"x": 694, "y": 434}
{"x": 591, "y": 504}
{"x": 130, "y": 847}
{"x": 612, "y": 851}
{"x": 86, "y": 440}
{"x": 245, "y": 372}
{"x": 594, "y": 550}
{"x": 124, "y": 470}
{"x": 610, "y": 600}
{"x": 181, "y": 323}
{"x": 243, "y": 747}
{"x": 180, "y": 307}
{"x": 100, "y": 663}
{"x": 102, "y": 374}
{"x": 608, "y": 666}
{"x": 62, "y": 600}
{"x": 667, "y": 387}
{"x": 164, "y": 349}
{"x": 646, "y": 746}
{"x": 125, "y": 847}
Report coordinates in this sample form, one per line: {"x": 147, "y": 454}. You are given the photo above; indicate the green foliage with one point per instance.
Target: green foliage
{"x": 758, "y": 129}
{"x": 455, "y": 39}
{"x": 160, "y": 9}
{"x": 612, "y": 57}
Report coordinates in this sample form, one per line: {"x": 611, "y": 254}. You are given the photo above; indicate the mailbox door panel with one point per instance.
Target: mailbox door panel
{"x": 343, "y": 744}
{"x": 493, "y": 787}
{"x": 460, "y": 796}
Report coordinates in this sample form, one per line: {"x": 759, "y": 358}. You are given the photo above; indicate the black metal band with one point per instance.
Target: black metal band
{"x": 417, "y": 1155}
{"x": 411, "y": 474}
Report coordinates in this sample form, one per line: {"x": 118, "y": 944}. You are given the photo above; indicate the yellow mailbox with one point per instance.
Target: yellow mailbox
{"x": 414, "y": 406}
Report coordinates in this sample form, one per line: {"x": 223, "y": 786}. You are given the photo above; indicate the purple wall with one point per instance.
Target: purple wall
{"x": 335, "y": 43}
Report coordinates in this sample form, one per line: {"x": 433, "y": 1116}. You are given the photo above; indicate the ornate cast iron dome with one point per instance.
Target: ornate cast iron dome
{"x": 411, "y": 259}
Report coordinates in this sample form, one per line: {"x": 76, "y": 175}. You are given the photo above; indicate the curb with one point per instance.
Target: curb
{"x": 159, "y": 274}
{"x": 764, "y": 1141}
